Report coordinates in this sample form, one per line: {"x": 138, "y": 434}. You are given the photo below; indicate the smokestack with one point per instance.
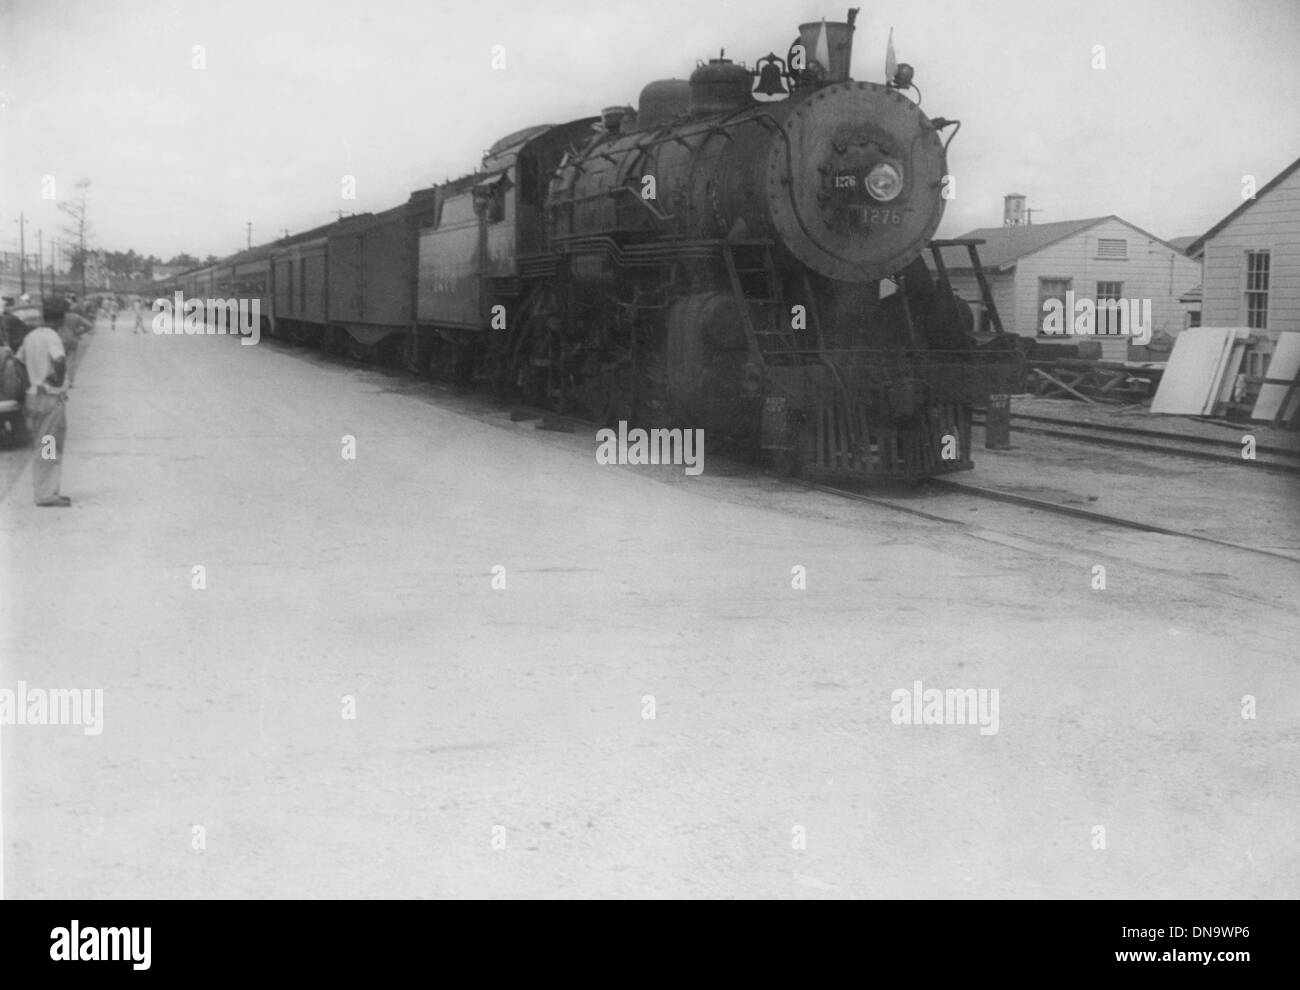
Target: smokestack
{"x": 1013, "y": 210}
{"x": 831, "y": 44}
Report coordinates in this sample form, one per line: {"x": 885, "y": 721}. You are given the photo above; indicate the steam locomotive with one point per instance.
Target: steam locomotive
{"x": 742, "y": 252}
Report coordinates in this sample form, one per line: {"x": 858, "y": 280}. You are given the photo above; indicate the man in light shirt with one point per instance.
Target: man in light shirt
{"x": 42, "y": 353}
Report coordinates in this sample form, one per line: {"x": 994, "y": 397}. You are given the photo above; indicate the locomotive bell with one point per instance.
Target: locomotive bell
{"x": 770, "y": 76}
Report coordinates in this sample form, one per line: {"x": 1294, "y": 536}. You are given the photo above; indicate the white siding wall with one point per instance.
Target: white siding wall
{"x": 1152, "y": 271}
{"x": 1272, "y": 223}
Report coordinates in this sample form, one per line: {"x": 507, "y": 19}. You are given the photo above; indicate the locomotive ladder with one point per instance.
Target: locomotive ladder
{"x": 971, "y": 245}
{"x": 745, "y": 261}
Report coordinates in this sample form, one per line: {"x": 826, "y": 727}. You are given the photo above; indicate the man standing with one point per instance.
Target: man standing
{"x": 12, "y": 329}
{"x": 42, "y": 353}
{"x": 139, "y": 316}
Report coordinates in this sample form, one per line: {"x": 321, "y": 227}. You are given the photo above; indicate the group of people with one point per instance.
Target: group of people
{"x": 41, "y": 358}
{"x": 111, "y": 307}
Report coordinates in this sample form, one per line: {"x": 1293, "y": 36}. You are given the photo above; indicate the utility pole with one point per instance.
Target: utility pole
{"x": 22, "y": 253}
{"x": 40, "y": 261}
{"x": 79, "y": 230}
{"x": 250, "y": 233}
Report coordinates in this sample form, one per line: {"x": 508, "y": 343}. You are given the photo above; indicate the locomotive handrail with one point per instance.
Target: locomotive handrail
{"x": 971, "y": 244}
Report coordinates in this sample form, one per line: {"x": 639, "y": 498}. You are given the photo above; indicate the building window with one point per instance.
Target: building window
{"x": 1194, "y": 319}
{"x": 1108, "y": 317}
{"x": 1257, "y": 290}
{"x": 289, "y": 267}
{"x": 302, "y": 285}
{"x": 1115, "y": 248}
{"x": 1054, "y": 288}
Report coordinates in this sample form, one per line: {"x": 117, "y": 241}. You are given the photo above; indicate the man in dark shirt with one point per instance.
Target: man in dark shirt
{"x": 12, "y": 329}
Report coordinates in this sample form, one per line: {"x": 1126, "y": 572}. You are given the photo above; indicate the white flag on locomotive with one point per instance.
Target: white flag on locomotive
{"x": 821, "y": 51}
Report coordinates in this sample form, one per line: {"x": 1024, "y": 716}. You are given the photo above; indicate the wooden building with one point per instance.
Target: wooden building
{"x": 1097, "y": 259}
{"x": 1250, "y": 266}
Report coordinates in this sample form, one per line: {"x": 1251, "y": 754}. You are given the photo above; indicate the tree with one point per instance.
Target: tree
{"x": 79, "y": 231}
{"x": 188, "y": 260}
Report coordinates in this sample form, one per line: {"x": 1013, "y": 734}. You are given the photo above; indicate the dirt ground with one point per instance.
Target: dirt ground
{"x": 649, "y": 707}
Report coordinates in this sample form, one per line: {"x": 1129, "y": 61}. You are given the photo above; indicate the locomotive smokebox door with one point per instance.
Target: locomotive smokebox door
{"x": 854, "y": 182}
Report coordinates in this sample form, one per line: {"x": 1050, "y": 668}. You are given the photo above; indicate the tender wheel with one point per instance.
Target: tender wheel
{"x": 334, "y": 341}
{"x": 359, "y": 351}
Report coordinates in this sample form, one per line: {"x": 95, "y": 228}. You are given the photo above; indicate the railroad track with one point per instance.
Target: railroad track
{"x": 1268, "y": 458}
{"x": 568, "y": 423}
{"x": 996, "y": 495}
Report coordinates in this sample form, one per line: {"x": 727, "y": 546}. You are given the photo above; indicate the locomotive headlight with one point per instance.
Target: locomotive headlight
{"x": 885, "y": 182}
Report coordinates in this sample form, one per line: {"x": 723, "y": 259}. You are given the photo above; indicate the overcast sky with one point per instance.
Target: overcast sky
{"x": 402, "y": 94}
